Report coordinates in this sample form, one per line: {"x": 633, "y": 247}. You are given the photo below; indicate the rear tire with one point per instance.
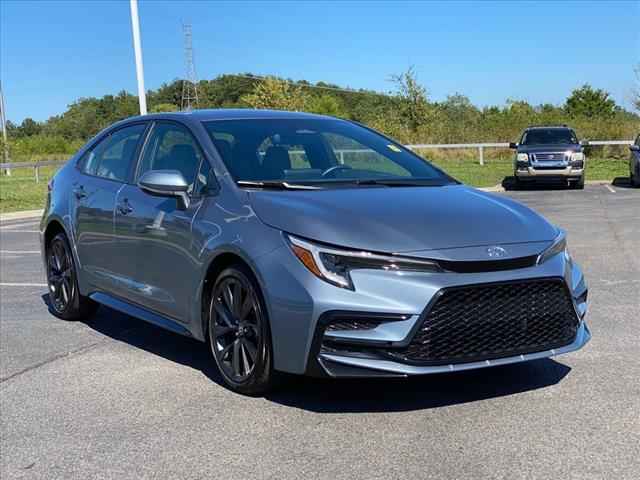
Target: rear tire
{"x": 239, "y": 333}
{"x": 635, "y": 181}
{"x": 65, "y": 300}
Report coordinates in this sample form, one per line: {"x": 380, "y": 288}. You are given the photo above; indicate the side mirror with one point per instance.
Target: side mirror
{"x": 634, "y": 148}
{"x": 584, "y": 143}
{"x": 513, "y": 145}
{"x": 166, "y": 183}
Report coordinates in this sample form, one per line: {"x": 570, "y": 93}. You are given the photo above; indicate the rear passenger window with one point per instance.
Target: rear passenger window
{"x": 112, "y": 157}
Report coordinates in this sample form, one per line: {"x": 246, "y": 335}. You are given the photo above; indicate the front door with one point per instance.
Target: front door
{"x": 155, "y": 249}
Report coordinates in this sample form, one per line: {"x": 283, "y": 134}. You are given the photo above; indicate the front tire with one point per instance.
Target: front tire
{"x": 578, "y": 184}
{"x": 239, "y": 333}
{"x": 65, "y": 300}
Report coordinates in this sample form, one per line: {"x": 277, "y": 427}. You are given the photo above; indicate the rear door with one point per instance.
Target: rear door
{"x": 155, "y": 247}
{"x": 104, "y": 169}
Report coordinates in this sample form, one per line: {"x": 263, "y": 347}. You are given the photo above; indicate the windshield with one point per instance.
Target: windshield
{"x": 551, "y": 136}
{"x": 303, "y": 151}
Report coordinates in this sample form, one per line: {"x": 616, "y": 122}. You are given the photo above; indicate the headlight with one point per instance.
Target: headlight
{"x": 334, "y": 264}
{"x": 522, "y": 157}
{"x": 577, "y": 156}
{"x": 559, "y": 246}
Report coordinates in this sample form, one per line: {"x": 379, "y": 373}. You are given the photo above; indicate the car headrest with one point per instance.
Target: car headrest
{"x": 276, "y": 161}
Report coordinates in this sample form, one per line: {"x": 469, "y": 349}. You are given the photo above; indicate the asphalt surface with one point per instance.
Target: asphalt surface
{"x": 117, "y": 398}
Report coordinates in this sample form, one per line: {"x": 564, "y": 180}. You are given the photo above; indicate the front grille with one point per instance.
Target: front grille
{"x": 488, "y": 265}
{"x": 549, "y": 157}
{"x": 493, "y": 320}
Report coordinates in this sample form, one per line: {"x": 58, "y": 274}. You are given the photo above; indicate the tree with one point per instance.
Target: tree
{"x": 589, "y": 102}
{"x": 29, "y": 127}
{"x": 413, "y": 98}
{"x": 277, "y": 94}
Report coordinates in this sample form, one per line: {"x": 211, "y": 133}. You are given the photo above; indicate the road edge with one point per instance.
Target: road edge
{"x": 20, "y": 215}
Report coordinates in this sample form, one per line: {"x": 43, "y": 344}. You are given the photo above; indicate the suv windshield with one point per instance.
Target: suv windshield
{"x": 550, "y": 136}
{"x": 307, "y": 151}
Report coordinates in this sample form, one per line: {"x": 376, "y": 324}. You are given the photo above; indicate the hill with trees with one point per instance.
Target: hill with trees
{"x": 405, "y": 113}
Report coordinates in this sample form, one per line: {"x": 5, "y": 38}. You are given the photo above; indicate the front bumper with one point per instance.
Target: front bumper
{"x": 532, "y": 172}
{"x": 298, "y": 301}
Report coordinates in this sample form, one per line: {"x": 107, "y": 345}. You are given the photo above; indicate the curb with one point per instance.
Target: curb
{"x": 20, "y": 215}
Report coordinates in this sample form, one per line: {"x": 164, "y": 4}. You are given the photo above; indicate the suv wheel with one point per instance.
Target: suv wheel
{"x": 578, "y": 184}
{"x": 65, "y": 300}
{"x": 635, "y": 181}
{"x": 239, "y": 333}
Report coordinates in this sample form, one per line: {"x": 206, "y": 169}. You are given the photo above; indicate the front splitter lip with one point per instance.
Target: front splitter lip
{"x": 582, "y": 338}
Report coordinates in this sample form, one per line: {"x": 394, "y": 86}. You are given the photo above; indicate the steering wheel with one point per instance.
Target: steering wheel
{"x": 335, "y": 168}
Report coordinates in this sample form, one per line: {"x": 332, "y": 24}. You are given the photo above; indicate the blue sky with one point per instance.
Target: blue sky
{"x": 52, "y": 53}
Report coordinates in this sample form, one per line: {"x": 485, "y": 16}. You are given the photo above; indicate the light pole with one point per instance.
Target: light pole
{"x": 135, "y": 26}
{"x": 3, "y": 126}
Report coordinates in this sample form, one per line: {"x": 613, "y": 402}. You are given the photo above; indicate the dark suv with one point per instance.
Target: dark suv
{"x": 550, "y": 152}
{"x": 634, "y": 163}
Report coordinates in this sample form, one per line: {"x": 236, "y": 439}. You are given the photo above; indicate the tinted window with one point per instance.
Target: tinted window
{"x": 112, "y": 157}
{"x": 551, "y": 136}
{"x": 313, "y": 150}
{"x": 638, "y": 140}
{"x": 172, "y": 147}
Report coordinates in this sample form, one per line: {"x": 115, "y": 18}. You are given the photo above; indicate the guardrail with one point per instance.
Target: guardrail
{"x": 419, "y": 146}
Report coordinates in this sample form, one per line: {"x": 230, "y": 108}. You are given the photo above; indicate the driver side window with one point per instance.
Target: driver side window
{"x": 171, "y": 146}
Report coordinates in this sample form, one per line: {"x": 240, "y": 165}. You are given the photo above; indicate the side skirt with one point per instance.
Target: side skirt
{"x": 139, "y": 312}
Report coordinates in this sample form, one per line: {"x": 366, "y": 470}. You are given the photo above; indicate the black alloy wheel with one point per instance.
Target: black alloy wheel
{"x": 239, "y": 333}
{"x": 65, "y": 300}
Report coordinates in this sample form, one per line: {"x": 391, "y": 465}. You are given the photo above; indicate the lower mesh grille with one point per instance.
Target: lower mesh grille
{"x": 490, "y": 321}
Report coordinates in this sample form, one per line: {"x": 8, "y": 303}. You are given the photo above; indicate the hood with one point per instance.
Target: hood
{"x": 402, "y": 219}
{"x": 563, "y": 147}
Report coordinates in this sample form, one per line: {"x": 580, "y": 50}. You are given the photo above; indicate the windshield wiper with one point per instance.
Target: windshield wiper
{"x": 276, "y": 185}
{"x": 401, "y": 182}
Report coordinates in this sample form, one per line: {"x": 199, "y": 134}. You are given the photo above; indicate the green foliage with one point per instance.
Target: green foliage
{"x": 589, "y": 102}
{"x": 406, "y": 113}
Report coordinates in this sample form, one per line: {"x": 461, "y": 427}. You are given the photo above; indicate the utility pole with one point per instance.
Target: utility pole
{"x": 190, "y": 83}
{"x": 135, "y": 26}
{"x": 3, "y": 125}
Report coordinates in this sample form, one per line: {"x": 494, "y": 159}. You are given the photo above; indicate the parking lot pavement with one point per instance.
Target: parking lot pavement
{"x": 117, "y": 398}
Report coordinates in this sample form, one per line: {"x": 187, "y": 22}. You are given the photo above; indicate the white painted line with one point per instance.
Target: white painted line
{"x": 18, "y": 225}
{"x": 610, "y": 188}
{"x": 18, "y": 252}
{"x": 3, "y": 284}
{"x": 20, "y": 231}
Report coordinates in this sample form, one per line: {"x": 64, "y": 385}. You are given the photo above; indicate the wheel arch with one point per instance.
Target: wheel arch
{"x": 216, "y": 264}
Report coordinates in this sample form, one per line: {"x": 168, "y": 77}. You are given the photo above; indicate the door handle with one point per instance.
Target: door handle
{"x": 79, "y": 192}
{"x": 125, "y": 208}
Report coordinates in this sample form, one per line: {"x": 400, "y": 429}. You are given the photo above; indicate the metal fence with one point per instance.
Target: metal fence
{"x": 7, "y": 167}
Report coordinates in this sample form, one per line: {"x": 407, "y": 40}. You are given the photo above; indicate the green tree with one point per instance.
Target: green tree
{"x": 414, "y": 102}
{"x": 277, "y": 94}
{"x": 589, "y": 102}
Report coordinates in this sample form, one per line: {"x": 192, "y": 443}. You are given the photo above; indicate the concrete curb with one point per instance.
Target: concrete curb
{"x": 20, "y": 215}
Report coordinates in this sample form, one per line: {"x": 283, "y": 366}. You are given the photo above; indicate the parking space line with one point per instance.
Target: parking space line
{"x": 610, "y": 188}
{"x": 4, "y": 226}
{"x": 6, "y": 284}
{"x": 20, "y": 231}
{"x": 18, "y": 252}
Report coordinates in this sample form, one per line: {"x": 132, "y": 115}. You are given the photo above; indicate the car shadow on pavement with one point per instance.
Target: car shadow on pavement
{"x": 344, "y": 395}
{"x": 420, "y": 392}
{"x": 509, "y": 183}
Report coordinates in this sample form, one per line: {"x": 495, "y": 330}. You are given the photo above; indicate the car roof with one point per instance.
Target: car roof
{"x": 229, "y": 114}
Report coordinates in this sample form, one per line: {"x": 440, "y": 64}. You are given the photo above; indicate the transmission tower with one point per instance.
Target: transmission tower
{"x": 190, "y": 83}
